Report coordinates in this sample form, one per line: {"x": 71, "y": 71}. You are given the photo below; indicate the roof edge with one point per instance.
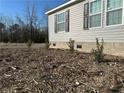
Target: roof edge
{"x": 61, "y": 6}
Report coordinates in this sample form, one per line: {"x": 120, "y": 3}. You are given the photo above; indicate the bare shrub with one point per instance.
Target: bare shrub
{"x": 29, "y": 43}
{"x": 47, "y": 45}
{"x": 98, "y": 52}
{"x": 71, "y": 45}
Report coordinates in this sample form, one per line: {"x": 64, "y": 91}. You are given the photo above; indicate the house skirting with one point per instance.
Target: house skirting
{"x": 109, "y": 48}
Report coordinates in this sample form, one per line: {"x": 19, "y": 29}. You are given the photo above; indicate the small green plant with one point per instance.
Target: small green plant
{"x": 29, "y": 43}
{"x": 98, "y": 52}
{"x": 71, "y": 45}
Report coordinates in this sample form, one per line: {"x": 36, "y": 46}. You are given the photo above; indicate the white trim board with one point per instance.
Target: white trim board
{"x": 61, "y": 6}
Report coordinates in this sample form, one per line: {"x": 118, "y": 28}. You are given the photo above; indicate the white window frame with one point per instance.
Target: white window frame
{"x": 106, "y": 11}
{"x": 96, "y": 14}
{"x": 61, "y": 22}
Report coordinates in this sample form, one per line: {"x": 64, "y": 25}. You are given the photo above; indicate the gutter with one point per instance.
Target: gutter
{"x": 63, "y": 6}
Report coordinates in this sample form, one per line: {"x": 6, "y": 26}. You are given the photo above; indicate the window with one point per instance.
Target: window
{"x": 95, "y": 13}
{"x": 61, "y": 22}
{"x": 95, "y": 20}
{"x": 114, "y": 12}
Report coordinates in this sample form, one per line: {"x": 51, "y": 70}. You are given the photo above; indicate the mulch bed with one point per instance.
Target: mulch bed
{"x": 58, "y": 71}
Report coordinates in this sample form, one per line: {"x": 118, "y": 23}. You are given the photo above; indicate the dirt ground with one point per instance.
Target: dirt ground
{"x": 58, "y": 71}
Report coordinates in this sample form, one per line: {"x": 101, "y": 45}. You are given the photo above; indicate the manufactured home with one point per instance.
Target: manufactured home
{"x": 86, "y": 20}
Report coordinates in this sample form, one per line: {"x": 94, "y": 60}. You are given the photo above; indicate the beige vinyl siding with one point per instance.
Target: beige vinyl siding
{"x": 109, "y": 34}
{"x": 76, "y": 19}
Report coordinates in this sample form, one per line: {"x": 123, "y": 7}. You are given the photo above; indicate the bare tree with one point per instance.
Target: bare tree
{"x": 31, "y": 19}
{"x": 2, "y": 27}
{"x": 6, "y": 22}
{"x": 20, "y": 30}
{"x": 45, "y": 22}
